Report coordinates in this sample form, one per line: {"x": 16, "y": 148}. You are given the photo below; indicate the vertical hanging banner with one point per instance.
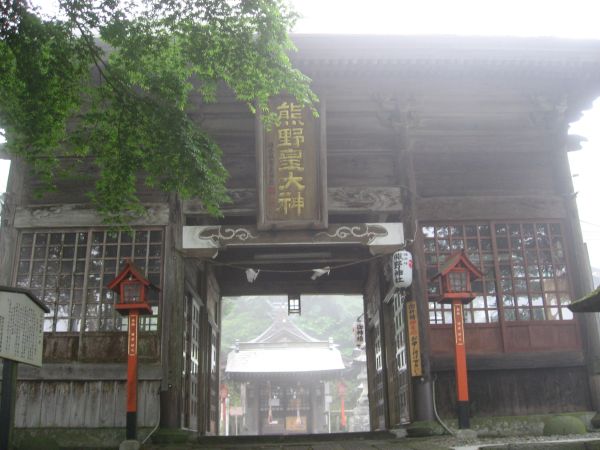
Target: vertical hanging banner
{"x": 413, "y": 339}
{"x": 292, "y": 169}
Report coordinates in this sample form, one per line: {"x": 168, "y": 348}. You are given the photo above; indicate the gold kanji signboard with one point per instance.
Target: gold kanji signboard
{"x": 292, "y": 169}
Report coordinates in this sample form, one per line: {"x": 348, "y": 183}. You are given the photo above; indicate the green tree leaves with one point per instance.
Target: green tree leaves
{"x": 41, "y": 73}
{"x": 123, "y": 101}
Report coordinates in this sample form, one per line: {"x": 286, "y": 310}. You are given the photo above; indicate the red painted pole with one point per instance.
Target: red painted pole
{"x": 132, "y": 366}
{"x": 342, "y": 394}
{"x": 343, "y": 420}
{"x": 460, "y": 356}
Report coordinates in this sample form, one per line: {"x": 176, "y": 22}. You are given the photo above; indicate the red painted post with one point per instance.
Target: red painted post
{"x": 132, "y": 366}
{"x": 342, "y": 394}
{"x": 460, "y": 356}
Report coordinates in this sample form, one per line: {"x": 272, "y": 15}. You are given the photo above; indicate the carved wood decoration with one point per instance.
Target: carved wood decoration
{"x": 205, "y": 241}
{"x": 339, "y": 199}
{"x": 66, "y": 215}
{"x": 292, "y": 169}
{"x": 370, "y": 199}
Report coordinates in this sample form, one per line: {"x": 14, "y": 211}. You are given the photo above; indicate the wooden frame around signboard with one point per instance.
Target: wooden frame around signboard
{"x": 321, "y": 221}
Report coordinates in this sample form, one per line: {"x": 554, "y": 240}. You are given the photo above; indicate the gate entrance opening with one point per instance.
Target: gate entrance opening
{"x": 346, "y": 259}
{"x": 285, "y": 373}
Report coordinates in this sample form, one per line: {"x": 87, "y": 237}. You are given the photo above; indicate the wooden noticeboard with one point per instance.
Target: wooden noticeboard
{"x": 21, "y": 326}
{"x": 21, "y": 340}
{"x": 292, "y": 168}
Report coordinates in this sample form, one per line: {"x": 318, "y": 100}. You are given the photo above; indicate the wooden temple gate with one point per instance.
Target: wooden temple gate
{"x": 429, "y": 144}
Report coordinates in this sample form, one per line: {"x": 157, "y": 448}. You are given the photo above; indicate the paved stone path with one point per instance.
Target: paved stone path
{"x": 382, "y": 441}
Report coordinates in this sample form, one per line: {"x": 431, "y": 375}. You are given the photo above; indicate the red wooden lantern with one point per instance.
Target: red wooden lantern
{"x": 456, "y": 275}
{"x": 132, "y": 288}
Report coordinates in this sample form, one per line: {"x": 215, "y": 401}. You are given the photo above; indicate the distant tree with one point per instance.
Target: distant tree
{"x": 331, "y": 316}
{"x": 244, "y": 318}
{"x": 112, "y": 80}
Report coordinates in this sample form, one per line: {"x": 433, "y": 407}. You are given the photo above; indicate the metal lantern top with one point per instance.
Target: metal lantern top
{"x": 457, "y": 273}
{"x": 294, "y": 304}
{"x": 132, "y": 289}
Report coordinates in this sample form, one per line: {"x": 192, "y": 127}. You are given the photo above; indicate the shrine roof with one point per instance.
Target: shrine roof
{"x": 589, "y": 303}
{"x": 283, "y": 330}
{"x": 453, "y": 260}
{"x": 284, "y": 348}
{"x": 291, "y": 357}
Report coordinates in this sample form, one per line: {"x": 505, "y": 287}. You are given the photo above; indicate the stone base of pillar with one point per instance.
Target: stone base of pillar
{"x": 423, "y": 399}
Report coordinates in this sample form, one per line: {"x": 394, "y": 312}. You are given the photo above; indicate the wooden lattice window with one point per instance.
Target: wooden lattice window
{"x": 69, "y": 271}
{"x": 399, "y": 332}
{"x": 378, "y": 354}
{"x": 524, "y": 266}
{"x": 441, "y": 241}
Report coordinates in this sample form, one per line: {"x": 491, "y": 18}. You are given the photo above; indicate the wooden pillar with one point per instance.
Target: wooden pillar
{"x": 172, "y": 317}
{"x": 7, "y": 404}
{"x": 422, "y": 388}
{"x": 8, "y": 234}
{"x": 384, "y": 360}
{"x": 578, "y": 262}
{"x": 370, "y": 336}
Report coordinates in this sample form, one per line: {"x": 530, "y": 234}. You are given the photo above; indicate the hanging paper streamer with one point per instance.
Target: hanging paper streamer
{"x": 320, "y": 272}
{"x": 251, "y": 275}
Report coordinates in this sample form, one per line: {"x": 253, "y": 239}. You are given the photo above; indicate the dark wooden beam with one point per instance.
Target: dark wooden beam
{"x": 490, "y": 208}
{"x": 509, "y": 361}
{"x": 346, "y": 287}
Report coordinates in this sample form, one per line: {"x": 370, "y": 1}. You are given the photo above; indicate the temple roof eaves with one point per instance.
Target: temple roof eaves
{"x": 501, "y": 54}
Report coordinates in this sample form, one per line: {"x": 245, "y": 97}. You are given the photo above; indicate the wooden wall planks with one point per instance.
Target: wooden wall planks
{"x": 517, "y": 392}
{"x": 78, "y": 404}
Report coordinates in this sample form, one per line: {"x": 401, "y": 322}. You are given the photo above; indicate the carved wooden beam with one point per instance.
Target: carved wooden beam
{"x": 206, "y": 241}
{"x": 339, "y": 199}
{"x": 66, "y": 215}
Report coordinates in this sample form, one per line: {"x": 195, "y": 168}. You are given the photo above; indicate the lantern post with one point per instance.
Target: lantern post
{"x": 456, "y": 276}
{"x": 132, "y": 288}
